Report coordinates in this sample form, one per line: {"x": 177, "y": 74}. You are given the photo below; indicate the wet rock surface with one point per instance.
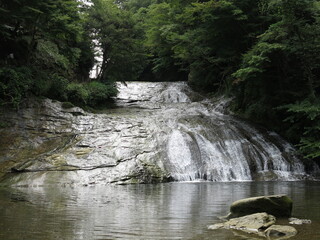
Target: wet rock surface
{"x": 157, "y": 132}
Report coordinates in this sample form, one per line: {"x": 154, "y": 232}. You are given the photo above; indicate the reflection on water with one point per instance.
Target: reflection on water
{"x": 164, "y": 211}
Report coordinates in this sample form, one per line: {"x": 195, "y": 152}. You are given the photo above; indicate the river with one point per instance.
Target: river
{"x": 151, "y": 211}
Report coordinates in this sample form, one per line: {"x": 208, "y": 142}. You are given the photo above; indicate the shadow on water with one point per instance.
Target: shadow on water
{"x": 163, "y": 211}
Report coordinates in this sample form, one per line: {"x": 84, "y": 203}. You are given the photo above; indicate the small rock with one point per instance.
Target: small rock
{"x": 298, "y": 221}
{"x": 280, "y": 232}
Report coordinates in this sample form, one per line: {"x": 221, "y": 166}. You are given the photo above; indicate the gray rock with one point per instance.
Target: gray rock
{"x": 280, "y": 232}
{"x": 276, "y": 205}
{"x": 254, "y": 223}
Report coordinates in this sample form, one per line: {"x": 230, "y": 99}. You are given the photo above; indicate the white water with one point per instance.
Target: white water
{"x": 203, "y": 143}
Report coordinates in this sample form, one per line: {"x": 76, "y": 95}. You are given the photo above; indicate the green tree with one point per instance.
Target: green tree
{"x": 212, "y": 42}
{"x": 281, "y": 69}
{"x": 117, "y": 37}
{"x": 304, "y": 121}
{"x": 161, "y": 31}
{"x": 41, "y": 41}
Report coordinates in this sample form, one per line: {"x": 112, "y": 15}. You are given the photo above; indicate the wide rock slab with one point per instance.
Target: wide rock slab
{"x": 254, "y": 223}
{"x": 276, "y": 205}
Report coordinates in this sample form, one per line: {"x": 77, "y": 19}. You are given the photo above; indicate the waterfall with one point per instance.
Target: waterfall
{"x": 156, "y": 132}
{"x": 203, "y": 143}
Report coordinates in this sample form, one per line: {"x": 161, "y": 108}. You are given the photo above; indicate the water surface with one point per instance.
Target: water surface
{"x": 163, "y": 211}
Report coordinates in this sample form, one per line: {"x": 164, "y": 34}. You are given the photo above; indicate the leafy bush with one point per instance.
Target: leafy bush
{"x": 14, "y": 83}
{"x": 91, "y": 94}
{"x": 49, "y": 85}
{"x": 58, "y": 87}
{"x": 304, "y": 118}
{"x": 77, "y": 94}
{"x": 100, "y": 92}
{"x": 41, "y": 83}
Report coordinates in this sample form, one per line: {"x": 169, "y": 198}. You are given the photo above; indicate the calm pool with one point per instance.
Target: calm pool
{"x": 163, "y": 211}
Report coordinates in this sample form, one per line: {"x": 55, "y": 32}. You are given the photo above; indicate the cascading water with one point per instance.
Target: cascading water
{"x": 202, "y": 143}
{"x": 156, "y": 132}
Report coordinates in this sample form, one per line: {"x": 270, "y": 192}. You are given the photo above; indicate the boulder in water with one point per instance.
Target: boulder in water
{"x": 276, "y": 205}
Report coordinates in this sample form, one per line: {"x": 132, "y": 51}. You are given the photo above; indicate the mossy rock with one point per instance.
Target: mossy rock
{"x": 276, "y": 205}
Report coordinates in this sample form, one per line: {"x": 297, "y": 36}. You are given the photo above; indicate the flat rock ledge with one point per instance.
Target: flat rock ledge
{"x": 261, "y": 224}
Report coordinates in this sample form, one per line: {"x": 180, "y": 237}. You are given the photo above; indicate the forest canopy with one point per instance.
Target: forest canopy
{"x": 263, "y": 53}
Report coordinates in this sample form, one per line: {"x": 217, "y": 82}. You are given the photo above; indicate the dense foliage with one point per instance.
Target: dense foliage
{"x": 264, "y": 53}
{"x": 39, "y": 47}
{"x": 45, "y": 50}
{"x": 118, "y": 40}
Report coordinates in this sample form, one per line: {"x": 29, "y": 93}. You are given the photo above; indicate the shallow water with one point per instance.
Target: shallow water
{"x": 163, "y": 211}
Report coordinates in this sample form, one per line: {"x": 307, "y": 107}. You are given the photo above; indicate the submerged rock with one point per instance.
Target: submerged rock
{"x": 298, "y": 221}
{"x": 280, "y": 232}
{"x": 276, "y": 205}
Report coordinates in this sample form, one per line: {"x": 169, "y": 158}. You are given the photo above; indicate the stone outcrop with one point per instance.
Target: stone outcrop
{"x": 276, "y": 205}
